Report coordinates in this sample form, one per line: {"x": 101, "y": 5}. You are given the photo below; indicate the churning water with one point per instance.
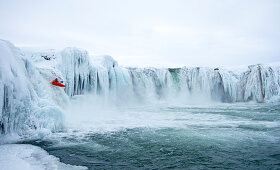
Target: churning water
{"x": 223, "y": 136}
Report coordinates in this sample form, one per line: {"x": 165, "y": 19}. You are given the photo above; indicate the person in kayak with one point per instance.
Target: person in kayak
{"x": 57, "y": 83}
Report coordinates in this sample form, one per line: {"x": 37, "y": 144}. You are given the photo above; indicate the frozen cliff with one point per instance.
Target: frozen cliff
{"x": 102, "y": 76}
{"x": 29, "y": 102}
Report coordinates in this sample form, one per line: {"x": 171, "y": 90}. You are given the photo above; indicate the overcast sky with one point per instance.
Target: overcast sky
{"x": 150, "y": 32}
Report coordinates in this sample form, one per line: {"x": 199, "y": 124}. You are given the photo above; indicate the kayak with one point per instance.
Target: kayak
{"x": 56, "y": 83}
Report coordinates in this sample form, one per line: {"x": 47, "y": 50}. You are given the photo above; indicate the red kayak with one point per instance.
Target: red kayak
{"x": 56, "y": 83}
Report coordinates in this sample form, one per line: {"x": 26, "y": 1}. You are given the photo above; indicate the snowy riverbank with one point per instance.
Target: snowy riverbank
{"x": 29, "y": 157}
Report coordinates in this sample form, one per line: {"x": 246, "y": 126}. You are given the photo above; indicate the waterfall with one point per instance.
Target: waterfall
{"x": 102, "y": 76}
{"x": 29, "y": 102}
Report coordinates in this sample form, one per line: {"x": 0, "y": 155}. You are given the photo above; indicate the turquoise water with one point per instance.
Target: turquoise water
{"x": 224, "y": 136}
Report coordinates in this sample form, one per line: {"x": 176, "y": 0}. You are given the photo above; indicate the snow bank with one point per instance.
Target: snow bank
{"x": 29, "y": 157}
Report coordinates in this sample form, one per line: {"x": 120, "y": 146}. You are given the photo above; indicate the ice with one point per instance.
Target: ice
{"x": 103, "y": 61}
{"x": 102, "y": 76}
{"x": 29, "y": 157}
{"x": 29, "y": 102}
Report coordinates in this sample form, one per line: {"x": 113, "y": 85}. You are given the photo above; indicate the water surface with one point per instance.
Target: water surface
{"x": 223, "y": 136}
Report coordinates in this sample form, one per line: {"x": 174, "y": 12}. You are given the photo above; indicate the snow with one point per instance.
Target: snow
{"x": 29, "y": 157}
